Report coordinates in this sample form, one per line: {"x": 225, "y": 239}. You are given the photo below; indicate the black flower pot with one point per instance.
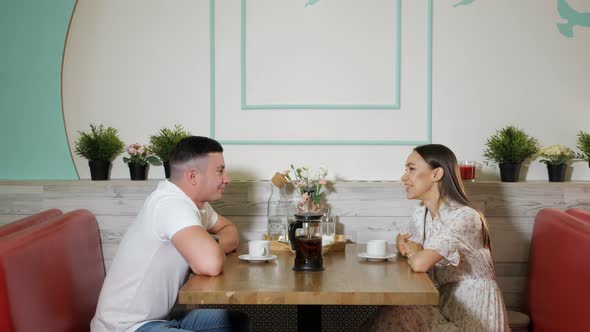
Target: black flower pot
{"x": 99, "y": 169}
{"x": 556, "y": 172}
{"x": 167, "y": 169}
{"x": 137, "y": 171}
{"x": 509, "y": 172}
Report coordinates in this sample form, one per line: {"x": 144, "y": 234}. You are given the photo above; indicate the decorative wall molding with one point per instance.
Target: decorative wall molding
{"x": 342, "y": 118}
{"x": 396, "y": 63}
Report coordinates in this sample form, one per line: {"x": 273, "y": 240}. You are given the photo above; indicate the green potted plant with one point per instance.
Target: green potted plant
{"x": 556, "y": 158}
{"x": 100, "y": 146}
{"x": 510, "y": 147}
{"x": 163, "y": 143}
{"x": 584, "y": 146}
{"x": 140, "y": 157}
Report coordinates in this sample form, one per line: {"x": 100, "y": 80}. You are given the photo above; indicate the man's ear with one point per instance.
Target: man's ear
{"x": 192, "y": 176}
{"x": 438, "y": 174}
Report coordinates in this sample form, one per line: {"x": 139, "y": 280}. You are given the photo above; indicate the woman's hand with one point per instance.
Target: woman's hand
{"x": 412, "y": 247}
{"x": 401, "y": 243}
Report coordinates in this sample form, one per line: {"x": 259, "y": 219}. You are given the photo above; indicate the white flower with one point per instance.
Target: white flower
{"x": 306, "y": 181}
{"x": 322, "y": 171}
{"x": 304, "y": 172}
{"x": 555, "y": 150}
{"x": 555, "y": 154}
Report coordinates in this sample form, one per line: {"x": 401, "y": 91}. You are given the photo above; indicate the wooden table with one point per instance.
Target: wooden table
{"x": 346, "y": 280}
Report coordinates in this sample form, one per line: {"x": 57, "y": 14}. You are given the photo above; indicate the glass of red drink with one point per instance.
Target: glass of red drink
{"x": 467, "y": 170}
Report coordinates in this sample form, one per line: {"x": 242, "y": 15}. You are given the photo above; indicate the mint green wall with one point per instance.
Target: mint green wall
{"x": 33, "y": 143}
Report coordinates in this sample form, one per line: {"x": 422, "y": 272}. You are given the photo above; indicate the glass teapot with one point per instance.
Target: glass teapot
{"x": 305, "y": 235}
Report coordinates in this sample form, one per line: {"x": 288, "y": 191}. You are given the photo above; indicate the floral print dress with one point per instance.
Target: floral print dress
{"x": 470, "y": 299}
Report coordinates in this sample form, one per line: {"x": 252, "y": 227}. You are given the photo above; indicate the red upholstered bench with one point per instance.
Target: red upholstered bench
{"x": 51, "y": 275}
{"x": 559, "y": 273}
{"x": 579, "y": 213}
{"x": 29, "y": 221}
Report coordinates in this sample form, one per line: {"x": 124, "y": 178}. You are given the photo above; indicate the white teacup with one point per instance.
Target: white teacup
{"x": 259, "y": 248}
{"x": 377, "y": 248}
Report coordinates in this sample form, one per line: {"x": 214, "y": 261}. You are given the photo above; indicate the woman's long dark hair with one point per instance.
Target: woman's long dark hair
{"x": 438, "y": 155}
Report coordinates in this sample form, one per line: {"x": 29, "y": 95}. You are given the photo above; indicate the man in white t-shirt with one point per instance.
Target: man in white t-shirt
{"x": 171, "y": 234}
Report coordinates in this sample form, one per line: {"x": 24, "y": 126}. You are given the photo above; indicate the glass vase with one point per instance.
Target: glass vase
{"x": 278, "y": 211}
{"x": 306, "y": 203}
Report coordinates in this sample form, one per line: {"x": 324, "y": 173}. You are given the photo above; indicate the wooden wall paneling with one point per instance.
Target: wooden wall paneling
{"x": 523, "y": 200}
{"x": 20, "y": 200}
{"x": 106, "y": 199}
{"x": 8, "y": 218}
{"x": 368, "y": 208}
{"x": 351, "y": 226}
{"x": 13, "y": 187}
{"x": 512, "y": 278}
{"x": 578, "y": 197}
{"x": 113, "y": 227}
{"x": 511, "y": 237}
{"x": 250, "y": 227}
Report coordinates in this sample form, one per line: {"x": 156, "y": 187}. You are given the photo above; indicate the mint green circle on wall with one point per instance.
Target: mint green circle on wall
{"x": 33, "y": 142}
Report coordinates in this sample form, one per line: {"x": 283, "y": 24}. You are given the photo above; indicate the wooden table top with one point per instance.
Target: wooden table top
{"x": 347, "y": 279}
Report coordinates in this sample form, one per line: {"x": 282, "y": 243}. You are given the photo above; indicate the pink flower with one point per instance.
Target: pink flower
{"x": 300, "y": 184}
{"x": 304, "y": 199}
{"x": 141, "y": 150}
{"x": 131, "y": 150}
{"x": 322, "y": 182}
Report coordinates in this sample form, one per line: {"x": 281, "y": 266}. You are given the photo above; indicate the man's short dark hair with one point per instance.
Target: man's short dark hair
{"x": 193, "y": 147}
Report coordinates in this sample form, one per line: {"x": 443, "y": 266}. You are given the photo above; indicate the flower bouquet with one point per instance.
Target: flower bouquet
{"x": 140, "y": 154}
{"x": 556, "y": 157}
{"x": 139, "y": 158}
{"x": 308, "y": 186}
{"x": 555, "y": 154}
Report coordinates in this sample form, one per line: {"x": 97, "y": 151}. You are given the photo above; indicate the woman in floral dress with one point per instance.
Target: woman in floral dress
{"x": 448, "y": 238}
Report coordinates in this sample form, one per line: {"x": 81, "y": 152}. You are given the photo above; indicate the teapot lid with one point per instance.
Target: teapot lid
{"x": 309, "y": 216}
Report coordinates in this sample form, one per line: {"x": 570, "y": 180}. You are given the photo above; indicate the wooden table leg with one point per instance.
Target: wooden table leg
{"x": 309, "y": 318}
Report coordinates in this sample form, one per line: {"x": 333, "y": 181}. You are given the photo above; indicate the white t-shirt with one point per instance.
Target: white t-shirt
{"x": 144, "y": 278}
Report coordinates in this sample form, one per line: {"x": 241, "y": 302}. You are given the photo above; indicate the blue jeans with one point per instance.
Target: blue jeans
{"x": 210, "y": 320}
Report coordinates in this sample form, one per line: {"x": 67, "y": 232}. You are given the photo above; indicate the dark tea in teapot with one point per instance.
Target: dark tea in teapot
{"x": 308, "y": 255}
{"x": 305, "y": 235}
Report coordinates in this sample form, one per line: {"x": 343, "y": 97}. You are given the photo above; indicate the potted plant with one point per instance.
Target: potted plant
{"x": 164, "y": 142}
{"x": 138, "y": 161}
{"x": 556, "y": 158}
{"x": 584, "y": 146}
{"x": 100, "y": 146}
{"x": 509, "y": 147}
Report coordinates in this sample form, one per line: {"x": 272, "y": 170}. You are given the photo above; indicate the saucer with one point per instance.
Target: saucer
{"x": 257, "y": 259}
{"x": 375, "y": 258}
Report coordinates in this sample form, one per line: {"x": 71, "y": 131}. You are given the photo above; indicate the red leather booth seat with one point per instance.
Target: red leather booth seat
{"x": 579, "y": 213}
{"x": 559, "y": 273}
{"x": 51, "y": 275}
{"x": 29, "y": 221}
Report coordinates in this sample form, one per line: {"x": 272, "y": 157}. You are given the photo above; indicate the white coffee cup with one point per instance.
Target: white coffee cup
{"x": 377, "y": 248}
{"x": 259, "y": 248}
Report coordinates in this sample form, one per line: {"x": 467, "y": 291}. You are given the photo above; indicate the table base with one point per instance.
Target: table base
{"x": 309, "y": 318}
